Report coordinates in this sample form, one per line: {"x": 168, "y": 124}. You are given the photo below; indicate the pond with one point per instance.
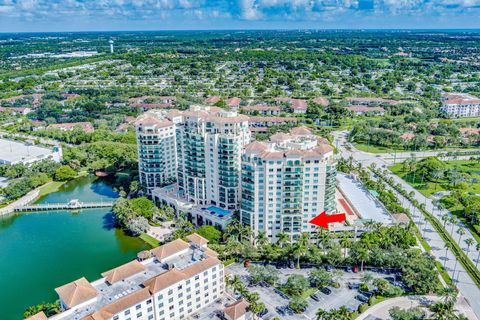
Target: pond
{"x": 44, "y": 250}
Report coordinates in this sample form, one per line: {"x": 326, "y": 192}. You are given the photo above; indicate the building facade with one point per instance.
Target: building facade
{"x": 172, "y": 282}
{"x": 199, "y": 148}
{"x": 210, "y": 145}
{"x": 286, "y": 182}
{"x": 460, "y": 105}
{"x": 157, "y": 150}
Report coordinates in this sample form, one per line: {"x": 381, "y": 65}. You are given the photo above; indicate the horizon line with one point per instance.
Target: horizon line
{"x": 247, "y": 29}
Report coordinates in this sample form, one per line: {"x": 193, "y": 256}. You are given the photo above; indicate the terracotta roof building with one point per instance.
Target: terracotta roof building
{"x": 76, "y": 292}
{"x": 237, "y": 310}
{"x": 263, "y": 110}
{"x": 362, "y": 109}
{"x": 39, "y": 316}
{"x": 460, "y": 105}
{"x": 297, "y": 105}
{"x": 122, "y": 272}
{"x": 191, "y": 279}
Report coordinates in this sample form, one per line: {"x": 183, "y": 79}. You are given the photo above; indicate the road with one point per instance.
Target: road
{"x": 463, "y": 280}
{"x": 381, "y": 310}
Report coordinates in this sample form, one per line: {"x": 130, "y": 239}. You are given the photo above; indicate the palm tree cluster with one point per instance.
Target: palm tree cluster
{"x": 380, "y": 246}
{"x": 253, "y": 298}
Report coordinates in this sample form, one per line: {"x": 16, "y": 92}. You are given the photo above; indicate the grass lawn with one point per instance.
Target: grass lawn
{"x": 427, "y": 188}
{"x": 149, "y": 240}
{"x": 374, "y": 149}
{"x": 379, "y": 149}
{"x": 50, "y": 187}
{"x": 308, "y": 293}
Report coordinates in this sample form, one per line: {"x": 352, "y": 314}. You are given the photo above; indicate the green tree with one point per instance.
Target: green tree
{"x": 212, "y": 234}
{"x": 407, "y": 314}
{"x": 65, "y": 173}
{"x": 259, "y": 273}
{"x": 296, "y": 284}
{"x": 297, "y": 304}
{"x": 320, "y": 278}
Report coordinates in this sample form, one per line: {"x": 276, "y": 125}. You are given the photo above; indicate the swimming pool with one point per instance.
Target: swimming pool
{"x": 218, "y": 211}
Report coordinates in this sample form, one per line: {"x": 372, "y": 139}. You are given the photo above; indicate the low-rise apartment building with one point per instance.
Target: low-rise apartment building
{"x": 175, "y": 281}
{"x": 286, "y": 182}
{"x": 460, "y": 105}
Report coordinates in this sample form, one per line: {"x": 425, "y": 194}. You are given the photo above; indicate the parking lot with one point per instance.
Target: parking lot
{"x": 273, "y": 299}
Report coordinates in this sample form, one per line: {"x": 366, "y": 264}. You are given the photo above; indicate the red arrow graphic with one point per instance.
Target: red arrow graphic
{"x": 322, "y": 220}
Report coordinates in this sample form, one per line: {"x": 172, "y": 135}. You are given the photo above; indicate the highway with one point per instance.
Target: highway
{"x": 467, "y": 287}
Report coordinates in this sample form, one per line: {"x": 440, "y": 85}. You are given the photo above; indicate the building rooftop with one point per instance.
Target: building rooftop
{"x": 170, "y": 249}
{"x": 197, "y": 239}
{"x": 38, "y": 316}
{"x": 138, "y": 283}
{"x": 364, "y": 203}
{"x": 236, "y": 310}
{"x": 76, "y": 292}
{"x": 15, "y": 152}
{"x": 123, "y": 272}
{"x": 459, "y": 98}
{"x": 299, "y": 142}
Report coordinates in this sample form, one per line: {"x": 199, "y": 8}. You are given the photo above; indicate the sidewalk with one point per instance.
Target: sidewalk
{"x": 26, "y": 199}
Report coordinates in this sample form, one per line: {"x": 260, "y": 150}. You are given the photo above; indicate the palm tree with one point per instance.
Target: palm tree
{"x": 345, "y": 242}
{"x": 446, "y": 255}
{"x": 235, "y": 283}
{"x": 453, "y": 221}
{"x": 300, "y": 248}
{"x": 445, "y": 219}
{"x": 469, "y": 242}
{"x": 363, "y": 256}
{"x": 261, "y": 239}
{"x": 282, "y": 239}
{"x": 321, "y": 314}
{"x": 442, "y": 311}
{"x": 461, "y": 232}
{"x": 449, "y": 294}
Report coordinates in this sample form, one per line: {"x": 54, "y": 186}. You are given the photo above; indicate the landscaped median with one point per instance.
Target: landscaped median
{"x": 451, "y": 243}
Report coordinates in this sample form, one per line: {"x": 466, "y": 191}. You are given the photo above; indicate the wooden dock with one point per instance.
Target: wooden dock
{"x": 65, "y": 206}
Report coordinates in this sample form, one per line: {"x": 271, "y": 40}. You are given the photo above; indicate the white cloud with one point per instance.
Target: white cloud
{"x": 6, "y": 9}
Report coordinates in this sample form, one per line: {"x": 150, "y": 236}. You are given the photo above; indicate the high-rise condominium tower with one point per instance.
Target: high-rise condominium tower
{"x": 210, "y": 144}
{"x": 157, "y": 149}
{"x": 286, "y": 182}
{"x": 201, "y": 148}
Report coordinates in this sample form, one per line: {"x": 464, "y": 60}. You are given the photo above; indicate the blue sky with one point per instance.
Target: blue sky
{"x": 87, "y": 15}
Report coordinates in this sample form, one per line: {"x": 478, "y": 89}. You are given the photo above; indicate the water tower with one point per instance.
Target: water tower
{"x": 111, "y": 46}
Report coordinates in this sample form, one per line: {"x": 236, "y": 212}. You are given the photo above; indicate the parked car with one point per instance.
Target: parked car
{"x": 361, "y": 298}
{"x": 353, "y": 286}
{"x": 264, "y": 312}
{"x": 326, "y": 290}
{"x": 280, "y": 311}
{"x": 281, "y": 294}
{"x": 328, "y": 267}
{"x": 315, "y": 297}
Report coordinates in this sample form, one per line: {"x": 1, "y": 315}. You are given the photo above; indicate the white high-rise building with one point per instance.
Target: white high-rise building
{"x": 201, "y": 148}
{"x": 170, "y": 282}
{"x": 286, "y": 182}
{"x": 157, "y": 150}
{"x": 210, "y": 145}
